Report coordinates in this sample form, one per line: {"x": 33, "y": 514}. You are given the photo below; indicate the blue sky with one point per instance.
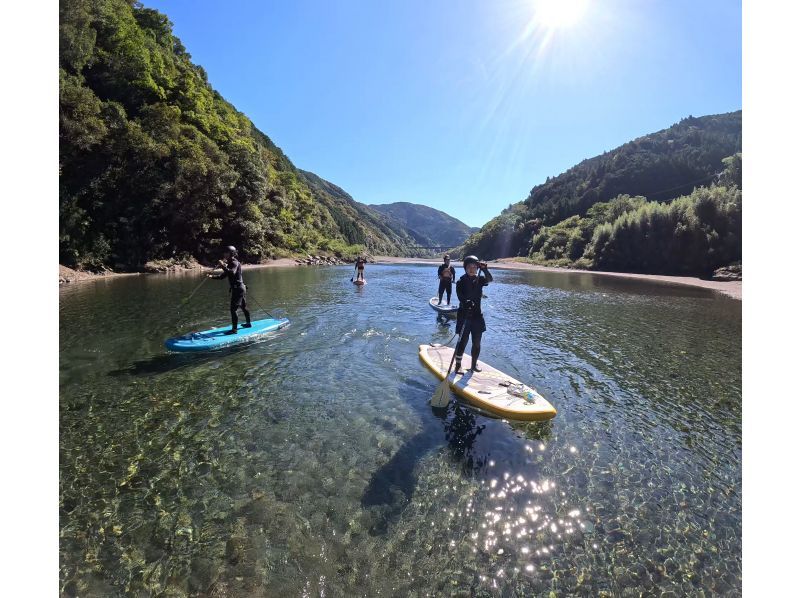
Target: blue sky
{"x": 461, "y": 105}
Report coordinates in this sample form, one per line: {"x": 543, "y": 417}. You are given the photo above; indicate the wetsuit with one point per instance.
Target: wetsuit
{"x": 446, "y": 275}
{"x": 233, "y": 272}
{"x": 470, "y": 318}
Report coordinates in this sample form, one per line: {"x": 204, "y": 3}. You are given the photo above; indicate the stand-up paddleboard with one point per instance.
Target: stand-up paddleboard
{"x": 360, "y": 282}
{"x": 216, "y": 338}
{"x": 490, "y": 389}
{"x": 448, "y": 311}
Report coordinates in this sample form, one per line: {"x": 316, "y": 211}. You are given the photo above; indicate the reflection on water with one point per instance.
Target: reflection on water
{"x": 311, "y": 464}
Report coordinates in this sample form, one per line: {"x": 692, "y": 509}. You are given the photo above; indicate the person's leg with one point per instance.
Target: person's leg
{"x": 442, "y": 288}
{"x": 449, "y": 289}
{"x": 234, "y": 319}
{"x": 462, "y": 344}
{"x": 476, "y": 348}
{"x": 247, "y": 323}
{"x": 236, "y": 299}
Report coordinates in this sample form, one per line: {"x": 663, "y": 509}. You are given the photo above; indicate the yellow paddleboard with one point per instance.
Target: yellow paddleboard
{"x": 489, "y": 389}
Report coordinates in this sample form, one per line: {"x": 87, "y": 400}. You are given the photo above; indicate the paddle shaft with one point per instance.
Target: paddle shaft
{"x": 442, "y": 391}
{"x": 453, "y": 358}
{"x": 197, "y": 288}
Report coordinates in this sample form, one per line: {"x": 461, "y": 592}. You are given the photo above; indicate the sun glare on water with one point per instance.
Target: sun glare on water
{"x": 559, "y": 14}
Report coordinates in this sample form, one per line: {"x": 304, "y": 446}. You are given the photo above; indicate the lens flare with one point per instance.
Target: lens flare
{"x": 557, "y": 14}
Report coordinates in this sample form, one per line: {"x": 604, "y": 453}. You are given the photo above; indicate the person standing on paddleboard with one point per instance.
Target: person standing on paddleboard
{"x": 360, "y": 262}
{"x": 232, "y": 270}
{"x": 446, "y": 274}
{"x": 470, "y": 322}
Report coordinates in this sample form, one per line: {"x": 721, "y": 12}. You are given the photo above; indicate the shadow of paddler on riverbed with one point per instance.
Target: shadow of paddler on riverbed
{"x": 169, "y": 362}
{"x": 392, "y": 486}
{"x": 470, "y": 436}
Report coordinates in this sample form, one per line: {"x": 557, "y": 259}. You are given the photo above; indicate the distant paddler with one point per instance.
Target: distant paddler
{"x": 470, "y": 322}
{"x": 360, "y": 263}
{"x": 232, "y": 270}
{"x": 446, "y": 275}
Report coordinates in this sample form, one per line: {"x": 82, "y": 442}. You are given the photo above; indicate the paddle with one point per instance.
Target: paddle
{"x": 184, "y": 302}
{"x": 441, "y": 397}
{"x": 355, "y": 270}
{"x": 251, "y": 296}
{"x": 197, "y": 288}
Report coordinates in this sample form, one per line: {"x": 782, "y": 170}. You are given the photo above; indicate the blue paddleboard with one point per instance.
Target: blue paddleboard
{"x": 216, "y": 338}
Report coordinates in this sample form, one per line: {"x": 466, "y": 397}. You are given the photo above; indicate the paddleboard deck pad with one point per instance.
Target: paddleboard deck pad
{"x": 446, "y": 310}
{"x": 215, "y": 338}
{"x": 490, "y": 389}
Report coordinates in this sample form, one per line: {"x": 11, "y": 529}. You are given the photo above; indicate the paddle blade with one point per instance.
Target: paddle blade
{"x": 441, "y": 397}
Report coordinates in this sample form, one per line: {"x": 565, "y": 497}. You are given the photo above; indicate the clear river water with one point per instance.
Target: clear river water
{"x": 310, "y": 463}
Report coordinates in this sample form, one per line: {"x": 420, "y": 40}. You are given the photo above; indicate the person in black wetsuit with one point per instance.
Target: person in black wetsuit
{"x": 446, "y": 275}
{"x": 469, "y": 290}
{"x": 360, "y": 263}
{"x": 232, "y": 270}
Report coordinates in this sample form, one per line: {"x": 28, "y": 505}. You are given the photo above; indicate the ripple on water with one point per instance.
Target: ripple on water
{"x": 311, "y": 463}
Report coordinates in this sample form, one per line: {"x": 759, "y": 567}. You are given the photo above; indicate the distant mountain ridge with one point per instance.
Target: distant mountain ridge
{"x": 360, "y": 224}
{"x": 428, "y": 226}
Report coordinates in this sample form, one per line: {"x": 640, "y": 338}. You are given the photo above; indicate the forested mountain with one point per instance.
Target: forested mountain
{"x": 653, "y": 170}
{"x": 154, "y": 163}
{"x": 360, "y": 224}
{"x": 428, "y": 226}
{"x": 693, "y": 234}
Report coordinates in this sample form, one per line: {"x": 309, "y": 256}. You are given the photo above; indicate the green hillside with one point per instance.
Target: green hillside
{"x": 428, "y": 226}
{"x": 692, "y": 234}
{"x": 359, "y": 223}
{"x": 155, "y": 164}
{"x": 694, "y": 160}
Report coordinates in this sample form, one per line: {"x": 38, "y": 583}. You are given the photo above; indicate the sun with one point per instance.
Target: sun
{"x": 559, "y": 14}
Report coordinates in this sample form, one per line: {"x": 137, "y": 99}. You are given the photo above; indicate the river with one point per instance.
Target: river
{"x": 311, "y": 464}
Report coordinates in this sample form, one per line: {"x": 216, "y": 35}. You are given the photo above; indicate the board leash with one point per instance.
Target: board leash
{"x": 262, "y": 308}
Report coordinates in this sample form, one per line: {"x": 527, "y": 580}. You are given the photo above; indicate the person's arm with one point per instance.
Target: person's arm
{"x": 460, "y": 292}
{"x": 486, "y": 275}
{"x": 221, "y": 265}
{"x": 227, "y": 269}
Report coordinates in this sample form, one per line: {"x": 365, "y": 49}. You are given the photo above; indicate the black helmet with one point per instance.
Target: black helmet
{"x": 232, "y": 250}
{"x": 470, "y": 259}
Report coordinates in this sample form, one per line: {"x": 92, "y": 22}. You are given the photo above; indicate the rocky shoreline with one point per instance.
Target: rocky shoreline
{"x": 68, "y": 275}
{"x": 728, "y": 273}
{"x": 320, "y": 260}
